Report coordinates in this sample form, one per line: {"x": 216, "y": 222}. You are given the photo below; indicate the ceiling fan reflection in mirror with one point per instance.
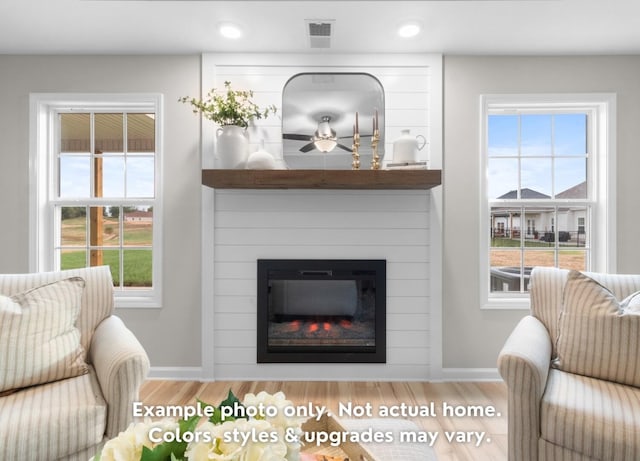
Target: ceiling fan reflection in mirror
{"x": 324, "y": 139}
{"x": 318, "y": 116}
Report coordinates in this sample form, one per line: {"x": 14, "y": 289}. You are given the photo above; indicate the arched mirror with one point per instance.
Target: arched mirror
{"x": 318, "y": 118}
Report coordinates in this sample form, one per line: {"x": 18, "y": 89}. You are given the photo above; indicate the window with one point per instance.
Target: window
{"x": 96, "y": 189}
{"x": 547, "y": 200}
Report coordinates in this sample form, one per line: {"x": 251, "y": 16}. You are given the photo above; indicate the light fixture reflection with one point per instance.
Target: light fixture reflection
{"x": 325, "y": 137}
{"x": 325, "y": 145}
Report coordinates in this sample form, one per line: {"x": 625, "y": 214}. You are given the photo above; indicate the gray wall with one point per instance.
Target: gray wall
{"x": 161, "y": 331}
{"x": 472, "y": 337}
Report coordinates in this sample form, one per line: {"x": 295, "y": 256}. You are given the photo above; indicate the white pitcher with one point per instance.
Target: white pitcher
{"x": 406, "y": 147}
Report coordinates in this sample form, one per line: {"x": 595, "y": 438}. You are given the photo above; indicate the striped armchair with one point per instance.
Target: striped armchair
{"x": 70, "y": 419}
{"x": 572, "y": 369}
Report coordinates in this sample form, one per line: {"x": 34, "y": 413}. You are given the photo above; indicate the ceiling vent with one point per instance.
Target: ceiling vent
{"x": 320, "y": 33}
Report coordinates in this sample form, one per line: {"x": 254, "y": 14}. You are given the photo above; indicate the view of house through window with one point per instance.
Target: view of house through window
{"x": 105, "y": 192}
{"x": 538, "y": 177}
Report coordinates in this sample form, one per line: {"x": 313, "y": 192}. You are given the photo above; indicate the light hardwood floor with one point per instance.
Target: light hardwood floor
{"x": 331, "y": 393}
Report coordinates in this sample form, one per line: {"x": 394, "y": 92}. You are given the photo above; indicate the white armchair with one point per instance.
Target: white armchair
{"x": 572, "y": 369}
{"x": 71, "y": 418}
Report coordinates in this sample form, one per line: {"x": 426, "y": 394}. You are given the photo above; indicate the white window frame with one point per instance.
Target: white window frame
{"x": 602, "y": 113}
{"x": 42, "y": 231}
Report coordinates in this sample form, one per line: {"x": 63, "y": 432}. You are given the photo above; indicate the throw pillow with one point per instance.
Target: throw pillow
{"x": 631, "y": 303}
{"x": 597, "y": 337}
{"x": 39, "y": 342}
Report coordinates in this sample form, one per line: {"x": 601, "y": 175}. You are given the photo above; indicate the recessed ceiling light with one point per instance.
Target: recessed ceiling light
{"x": 408, "y": 29}
{"x": 230, "y": 30}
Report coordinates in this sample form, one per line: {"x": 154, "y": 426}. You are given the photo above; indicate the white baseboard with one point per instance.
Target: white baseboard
{"x": 470, "y": 374}
{"x": 176, "y": 373}
{"x": 448, "y": 374}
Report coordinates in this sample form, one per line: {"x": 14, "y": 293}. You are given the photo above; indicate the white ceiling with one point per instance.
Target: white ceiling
{"x": 449, "y": 26}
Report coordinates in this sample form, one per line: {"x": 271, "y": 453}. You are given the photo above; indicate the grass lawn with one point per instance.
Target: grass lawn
{"x": 507, "y": 242}
{"x": 505, "y": 252}
{"x": 137, "y": 263}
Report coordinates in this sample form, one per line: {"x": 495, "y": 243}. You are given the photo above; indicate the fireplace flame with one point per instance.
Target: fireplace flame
{"x": 344, "y": 323}
{"x": 319, "y": 326}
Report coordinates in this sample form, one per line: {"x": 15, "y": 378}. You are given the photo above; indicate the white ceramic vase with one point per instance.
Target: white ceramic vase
{"x": 232, "y": 147}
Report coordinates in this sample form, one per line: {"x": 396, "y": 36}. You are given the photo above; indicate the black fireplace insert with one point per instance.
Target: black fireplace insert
{"x": 329, "y": 310}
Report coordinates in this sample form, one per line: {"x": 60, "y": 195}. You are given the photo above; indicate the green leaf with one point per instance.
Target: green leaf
{"x": 189, "y": 425}
{"x": 216, "y": 415}
{"x": 231, "y": 401}
{"x": 153, "y": 455}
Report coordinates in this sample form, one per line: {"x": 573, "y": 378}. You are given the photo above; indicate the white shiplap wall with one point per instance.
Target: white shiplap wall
{"x": 240, "y": 227}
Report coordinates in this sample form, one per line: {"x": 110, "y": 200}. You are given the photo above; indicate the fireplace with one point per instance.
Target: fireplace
{"x": 321, "y": 311}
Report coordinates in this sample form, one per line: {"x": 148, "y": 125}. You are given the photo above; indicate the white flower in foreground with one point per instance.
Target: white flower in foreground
{"x": 127, "y": 446}
{"x": 239, "y": 440}
{"x": 283, "y": 423}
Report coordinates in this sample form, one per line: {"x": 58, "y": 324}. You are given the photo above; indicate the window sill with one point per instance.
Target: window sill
{"x": 507, "y": 303}
{"x": 137, "y": 302}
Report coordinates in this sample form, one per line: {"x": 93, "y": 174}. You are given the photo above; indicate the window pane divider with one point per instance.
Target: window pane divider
{"x": 105, "y": 201}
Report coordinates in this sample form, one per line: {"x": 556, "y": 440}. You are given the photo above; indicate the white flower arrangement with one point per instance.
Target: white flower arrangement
{"x": 129, "y": 444}
{"x": 289, "y": 427}
{"x": 236, "y": 431}
{"x": 263, "y": 442}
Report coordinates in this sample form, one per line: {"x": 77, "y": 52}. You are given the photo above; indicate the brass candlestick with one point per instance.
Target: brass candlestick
{"x": 375, "y": 160}
{"x": 355, "y": 164}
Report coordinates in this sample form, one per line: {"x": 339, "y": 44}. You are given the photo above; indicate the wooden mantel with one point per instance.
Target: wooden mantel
{"x": 321, "y": 179}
